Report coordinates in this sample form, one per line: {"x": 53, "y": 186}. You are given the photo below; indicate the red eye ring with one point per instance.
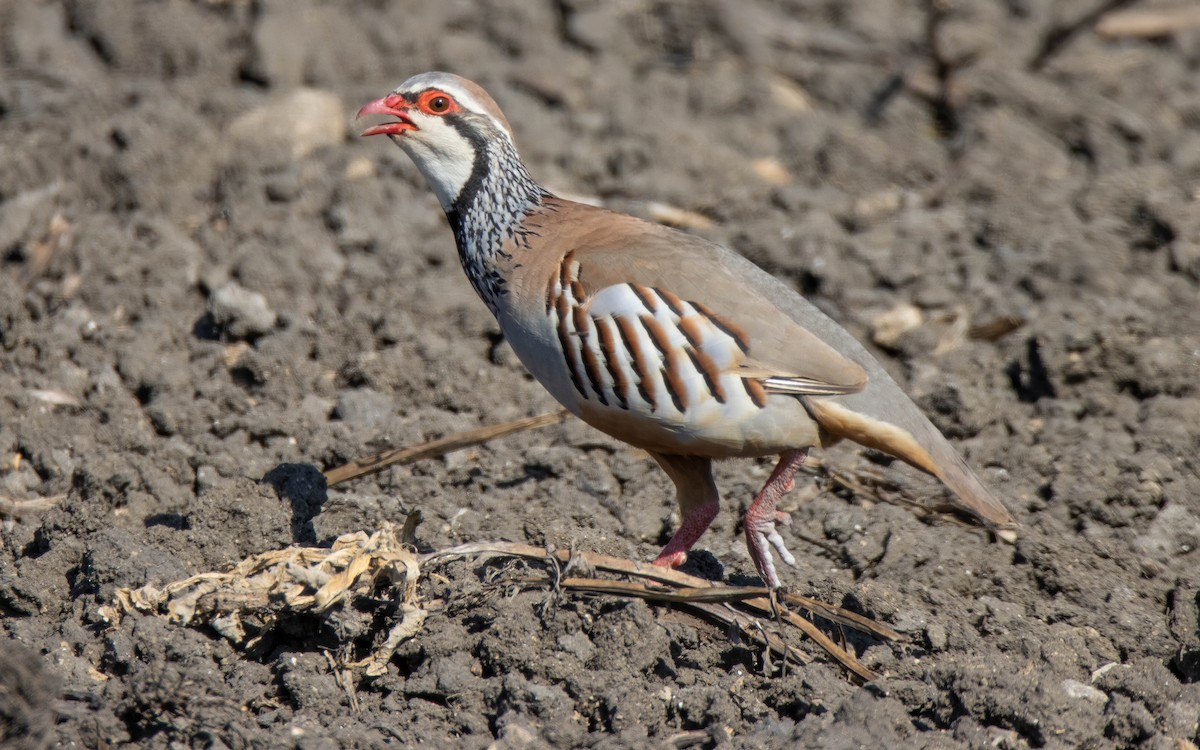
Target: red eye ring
{"x": 437, "y": 103}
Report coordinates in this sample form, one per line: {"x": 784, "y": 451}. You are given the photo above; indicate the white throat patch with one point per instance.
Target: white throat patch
{"x": 446, "y": 161}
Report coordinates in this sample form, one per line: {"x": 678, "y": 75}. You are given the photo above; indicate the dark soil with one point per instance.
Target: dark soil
{"x": 206, "y": 278}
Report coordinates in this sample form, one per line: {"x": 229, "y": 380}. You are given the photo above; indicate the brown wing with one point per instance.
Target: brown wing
{"x": 780, "y": 350}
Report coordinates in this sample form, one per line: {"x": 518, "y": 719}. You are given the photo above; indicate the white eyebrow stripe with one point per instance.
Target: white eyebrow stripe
{"x": 470, "y": 103}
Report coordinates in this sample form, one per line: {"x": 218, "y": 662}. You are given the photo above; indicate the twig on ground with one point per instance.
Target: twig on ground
{"x": 376, "y": 463}
{"x": 1148, "y": 23}
{"x": 17, "y": 508}
{"x": 996, "y": 329}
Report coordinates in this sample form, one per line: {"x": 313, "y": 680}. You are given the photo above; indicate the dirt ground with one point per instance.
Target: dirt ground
{"x": 207, "y": 279}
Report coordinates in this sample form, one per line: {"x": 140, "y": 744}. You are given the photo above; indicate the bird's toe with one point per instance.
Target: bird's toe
{"x": 670, "y": 559}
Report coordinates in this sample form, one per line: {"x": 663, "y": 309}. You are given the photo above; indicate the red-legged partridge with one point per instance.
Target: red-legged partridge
{"x": 663, "y": 340}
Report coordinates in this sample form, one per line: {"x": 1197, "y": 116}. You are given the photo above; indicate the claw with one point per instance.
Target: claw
{"x": 777, "y": 542}
{"x": 762, "y": 517}
{"x": 760, "y": 534}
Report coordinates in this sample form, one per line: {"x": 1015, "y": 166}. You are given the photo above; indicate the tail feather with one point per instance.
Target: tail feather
{"x": 928, "y": 451}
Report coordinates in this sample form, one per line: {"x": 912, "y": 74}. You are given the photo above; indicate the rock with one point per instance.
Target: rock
{"x": 240, "y": 312}
{"x": 1078, "y": 690}
{"x": 364, "y": 406}
{"x": 888, "y": 327}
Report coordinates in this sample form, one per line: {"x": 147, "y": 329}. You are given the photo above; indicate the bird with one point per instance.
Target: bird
{"x": 661, "y": 339}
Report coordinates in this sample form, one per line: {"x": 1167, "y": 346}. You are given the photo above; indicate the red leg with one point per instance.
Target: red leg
{"x": 698, "y": 500}
{"x": 762, "y": 516}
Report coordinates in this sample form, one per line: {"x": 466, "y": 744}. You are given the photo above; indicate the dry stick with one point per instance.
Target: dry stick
{"x": 1149, "y": 22}
{"x": 17, "y": 508}
{"x": 841, "y": 616}
{"x": 376, "y": 463}
{"x": 871, "y": 485}
{"x": 994, "y": 330}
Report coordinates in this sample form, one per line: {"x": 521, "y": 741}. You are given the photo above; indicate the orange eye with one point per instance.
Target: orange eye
{"x": 437, "y": 103}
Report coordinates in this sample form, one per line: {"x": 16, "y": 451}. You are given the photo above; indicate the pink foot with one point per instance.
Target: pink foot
{"x": 698, "y": 499}
{"x": 761, "y": 533}
{"x": 673, "y": 560}
{"x": 692, "y": 526}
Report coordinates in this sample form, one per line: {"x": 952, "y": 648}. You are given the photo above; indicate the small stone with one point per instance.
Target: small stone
{"x": 1174, "y": 531}
{"x": 1078, "y": 690}
{"x": 26, "y": 215}
{"x": 363, "y": 406}
{"x": 163, "y": 419}
{"x": 910, "y": 620}
{"x": 515, "y": 735}
{"x": 789, "y": 95}
{"x": 207, "y": 478}
{"x": 876, "y": 206}
{"x": 771, "y": 171}
{"x": 240, "y": 312}
{"x": 593, "y": 27}
{"x": 888, "y": 327}
{"x": 316, "y": 409}
{"x": 577, "y": 644}
{"x": 456, "y": 459}
{"x": 937, "y": 637}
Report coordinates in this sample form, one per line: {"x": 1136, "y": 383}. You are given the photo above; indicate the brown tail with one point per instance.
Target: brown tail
{"x": 930, "y": 452}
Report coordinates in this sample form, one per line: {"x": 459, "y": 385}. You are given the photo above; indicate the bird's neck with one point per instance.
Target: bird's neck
{"x": 488, "y": 214}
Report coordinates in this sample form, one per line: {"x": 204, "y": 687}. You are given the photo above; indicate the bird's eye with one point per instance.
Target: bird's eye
{"x": 439, "y": 104}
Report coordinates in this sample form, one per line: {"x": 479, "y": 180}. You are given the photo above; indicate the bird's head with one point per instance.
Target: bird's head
{"x": 445, "y": 123}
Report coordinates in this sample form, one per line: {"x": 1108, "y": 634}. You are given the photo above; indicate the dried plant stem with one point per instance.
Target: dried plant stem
{"x": 378, "y": 462}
